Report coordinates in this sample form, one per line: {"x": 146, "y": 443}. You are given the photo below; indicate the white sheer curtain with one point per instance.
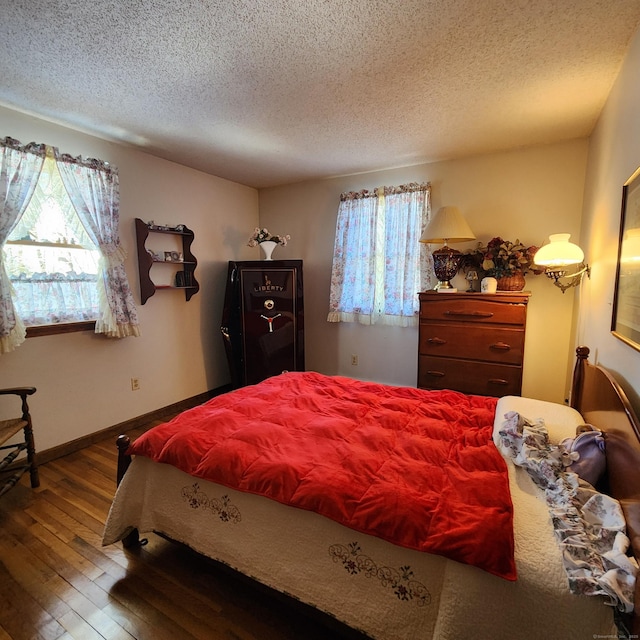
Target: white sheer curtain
{"x": 353, "y": 274}
{"x": 379, "y": 266}
{"x": 20, "y": 168}
{"x": 408, "y": 269}
{"x": 93, "y": 188}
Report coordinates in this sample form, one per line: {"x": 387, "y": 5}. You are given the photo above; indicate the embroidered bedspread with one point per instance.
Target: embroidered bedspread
{"x": 416, "y": 468}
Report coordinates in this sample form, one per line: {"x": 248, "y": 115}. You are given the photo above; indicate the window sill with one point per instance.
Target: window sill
{"x": 53, "y": 329}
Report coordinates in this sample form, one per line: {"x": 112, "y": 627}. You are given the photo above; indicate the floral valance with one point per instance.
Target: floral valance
{"x": 89, "y": 163}
{"x": 41, "y": 149}
{"x": 37, "y": 148}
{"x": 387, "y": 191}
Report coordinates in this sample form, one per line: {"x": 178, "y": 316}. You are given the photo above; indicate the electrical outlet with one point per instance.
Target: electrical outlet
{"x": 354, "y": 359}
{"x": 135, "y": 384}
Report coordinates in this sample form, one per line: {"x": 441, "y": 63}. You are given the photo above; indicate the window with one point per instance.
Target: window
{"x": 60, "y": 255}
{"x": 379, "y": 266}
{"x": 51, "y": 261}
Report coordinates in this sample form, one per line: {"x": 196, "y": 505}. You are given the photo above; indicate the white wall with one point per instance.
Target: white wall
{"x": 83, "y": 380}
{"x": 614, "y": 154}
{"x": 526, "y": 194}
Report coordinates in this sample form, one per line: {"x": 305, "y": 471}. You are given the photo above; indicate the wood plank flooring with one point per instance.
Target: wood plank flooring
{"x": 57, "y": 581}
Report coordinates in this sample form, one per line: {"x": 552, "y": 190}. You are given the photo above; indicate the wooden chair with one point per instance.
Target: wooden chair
{"x": 8, "y": 429}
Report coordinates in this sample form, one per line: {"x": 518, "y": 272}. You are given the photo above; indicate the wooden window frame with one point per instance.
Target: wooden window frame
{"x": 54, "y": 329}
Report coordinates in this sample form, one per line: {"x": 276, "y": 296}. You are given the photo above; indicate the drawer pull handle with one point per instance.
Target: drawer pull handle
{"x": 436, "y": 374}
{"x": 469, "y": 314}
{"x": 502, "y": 346}
{"x": 499, "y": 381}
{"x": 436, "y": 341}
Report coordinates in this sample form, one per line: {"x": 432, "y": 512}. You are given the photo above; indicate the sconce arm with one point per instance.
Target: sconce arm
{"x": 574, "y": 278}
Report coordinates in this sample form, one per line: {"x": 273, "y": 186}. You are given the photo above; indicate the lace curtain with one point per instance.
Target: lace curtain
{"x": 379, "y": 266}
{"x": 20, "y": 168}
{"x": 93, "y": 188}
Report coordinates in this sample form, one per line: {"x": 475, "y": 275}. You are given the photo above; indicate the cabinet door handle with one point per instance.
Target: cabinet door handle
{"x": 436, "y": 341}
{"x": 501, "y": 346}
{"x": 469, "y": 314}
{"x": 499, "y": 381}
{"x": 435, "y": 374}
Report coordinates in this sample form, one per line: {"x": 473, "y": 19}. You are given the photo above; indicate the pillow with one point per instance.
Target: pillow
{"x": 560, "y": 420}
{"x": 586, "y": 454}
{"x": 589, "y": 526}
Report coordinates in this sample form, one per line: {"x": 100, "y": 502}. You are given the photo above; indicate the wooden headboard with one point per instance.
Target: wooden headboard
{"x": 604, "y": 404}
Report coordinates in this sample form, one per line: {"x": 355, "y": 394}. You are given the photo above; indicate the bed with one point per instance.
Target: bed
{"x": 384, "y": 576}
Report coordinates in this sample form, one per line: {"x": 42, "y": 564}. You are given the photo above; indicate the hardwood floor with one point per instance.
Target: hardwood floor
{"x": 58, "y": 581}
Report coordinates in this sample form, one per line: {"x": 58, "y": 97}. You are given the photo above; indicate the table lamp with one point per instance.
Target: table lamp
{"x": 447, "y": 226}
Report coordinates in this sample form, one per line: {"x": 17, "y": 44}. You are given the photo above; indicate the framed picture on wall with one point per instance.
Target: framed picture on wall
{"x": 626, "y": 301}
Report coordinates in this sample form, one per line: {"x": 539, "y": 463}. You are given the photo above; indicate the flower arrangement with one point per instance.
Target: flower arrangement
{"x": 502, "y": 258}
{"x": 262, "y": 235}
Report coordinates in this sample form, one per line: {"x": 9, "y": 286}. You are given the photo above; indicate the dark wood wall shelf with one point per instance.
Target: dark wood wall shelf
{"x": 184, "y": 276}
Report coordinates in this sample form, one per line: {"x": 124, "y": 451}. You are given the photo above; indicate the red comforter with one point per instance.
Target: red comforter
{"x": 417, "y": 468}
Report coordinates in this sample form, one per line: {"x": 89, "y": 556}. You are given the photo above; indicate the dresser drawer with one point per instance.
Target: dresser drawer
{"x": 476, "y": 310}
{"x": 478, "y": 378}
{"x": 500, "y": 345}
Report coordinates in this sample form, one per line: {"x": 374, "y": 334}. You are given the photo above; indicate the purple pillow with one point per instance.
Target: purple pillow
{"x": 585, "y": 455}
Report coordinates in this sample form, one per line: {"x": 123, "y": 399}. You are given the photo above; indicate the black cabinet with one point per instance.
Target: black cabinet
{"x": 263, "y": 319}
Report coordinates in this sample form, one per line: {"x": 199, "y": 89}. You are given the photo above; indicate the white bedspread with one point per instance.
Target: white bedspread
{"x": 384, "y": 590}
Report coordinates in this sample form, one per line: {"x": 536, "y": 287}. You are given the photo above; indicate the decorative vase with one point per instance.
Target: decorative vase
{"x": 488, "y": 285}
{"x": 515, "y": 282}
{"x": 267, "y": 247}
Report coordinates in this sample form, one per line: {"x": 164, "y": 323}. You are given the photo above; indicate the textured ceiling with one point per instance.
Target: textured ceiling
{"x": 268, "y": 92}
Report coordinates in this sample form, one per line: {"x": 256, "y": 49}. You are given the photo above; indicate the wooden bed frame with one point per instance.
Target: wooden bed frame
{"x": 603, "y": 403}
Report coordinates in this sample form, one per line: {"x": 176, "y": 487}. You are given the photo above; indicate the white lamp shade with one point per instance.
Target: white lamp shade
{"x": 447, "y": 225}
{"x": 559, "y": 252}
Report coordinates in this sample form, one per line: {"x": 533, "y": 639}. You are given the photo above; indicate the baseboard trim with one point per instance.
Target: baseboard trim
{"x": 128, "y": 425}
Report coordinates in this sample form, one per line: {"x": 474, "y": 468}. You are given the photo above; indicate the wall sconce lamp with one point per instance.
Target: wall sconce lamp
{"x": 447, "y": 226}
{"x": 557, "y": 256}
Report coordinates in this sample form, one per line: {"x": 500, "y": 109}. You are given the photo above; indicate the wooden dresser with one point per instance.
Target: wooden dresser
{"x": 472, "y": 342}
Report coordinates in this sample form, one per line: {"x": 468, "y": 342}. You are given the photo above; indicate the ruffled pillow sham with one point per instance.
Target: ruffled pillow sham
{"x": 588, "y": 525}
